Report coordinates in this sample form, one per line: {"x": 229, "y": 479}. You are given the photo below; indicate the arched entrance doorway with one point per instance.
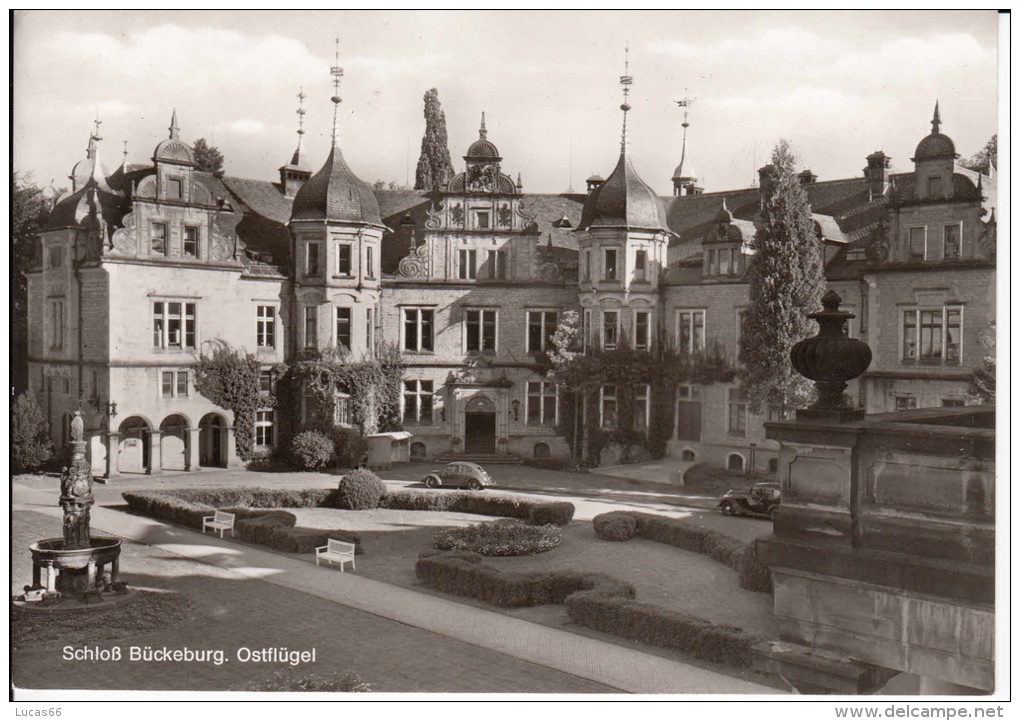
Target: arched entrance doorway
{"x": 133, "y": 448}
{"x": 480, "y": 425}
{"x": 173, "y": 443}
{"x": 212, "y": 445}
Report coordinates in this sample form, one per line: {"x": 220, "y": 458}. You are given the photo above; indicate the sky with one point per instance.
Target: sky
{"x": 837, "y": 84}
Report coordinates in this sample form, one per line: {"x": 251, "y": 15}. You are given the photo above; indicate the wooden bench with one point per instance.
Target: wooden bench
{"x": 220, "y": 521}
{"x": 335, "y": 550}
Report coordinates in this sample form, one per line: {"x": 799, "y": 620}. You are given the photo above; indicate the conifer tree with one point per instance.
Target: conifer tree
{"x": 208, "y": 157}
{"x": 30, "y": 442}
{"x": 435, "y": 168}
{"x": 786, "y": 283}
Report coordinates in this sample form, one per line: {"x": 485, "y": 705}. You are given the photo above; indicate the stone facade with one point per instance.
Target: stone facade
{"x": 139, "y": 270}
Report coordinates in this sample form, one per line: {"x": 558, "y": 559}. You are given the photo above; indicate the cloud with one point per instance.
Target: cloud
{"x": 246, "y": 125}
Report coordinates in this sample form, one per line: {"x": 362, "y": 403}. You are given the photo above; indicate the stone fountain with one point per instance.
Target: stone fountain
{"x": 78, "y": 570}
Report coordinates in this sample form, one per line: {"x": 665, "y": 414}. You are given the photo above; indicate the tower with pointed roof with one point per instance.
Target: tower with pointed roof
{"x": 296, "y": 173}
{"x": 623, "y": 243}
{"x": 685, "y": 179}
{"x": 337, "y": 236}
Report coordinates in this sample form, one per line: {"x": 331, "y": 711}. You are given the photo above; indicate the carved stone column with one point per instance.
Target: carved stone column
{"x": 191, "y": 458}
{"x": 155, "y": 454}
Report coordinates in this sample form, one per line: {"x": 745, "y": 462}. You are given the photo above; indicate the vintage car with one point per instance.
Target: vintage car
{"x": 760, "y": 500}
{"x": 459, "y": 474}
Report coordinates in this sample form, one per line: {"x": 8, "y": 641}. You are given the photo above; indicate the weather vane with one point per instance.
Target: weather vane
{"x": 337, "y": 72}
{"x": 301, "y": 111}
{"x": 626, "y": 81}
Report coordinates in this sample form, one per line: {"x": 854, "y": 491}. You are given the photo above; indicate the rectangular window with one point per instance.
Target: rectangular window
{"x": 642, "y": 329}
{"x": 953, "y": 403}
{"x": 541, "y": 410}
{"x": 713, "y": 262}
{"x": 641, "y": 406}
{"x": 56, "y": 324}
{"x": 905, "y": 403}
{"x": 482, "y": 216}
{"x": 174, "y": 384}
{"x": 951, "y": 241}
{"x": 917, "y": 236}
{"x": 264, "y": 429}
{"x": 266, "y": 381}
{"x": 587, "y": 265}
{"x": 932, "y": 336}
{"x": 56, "y": 256}
{"x": 607, "y": 418}
{"x": 737, "y": 411}
{"x": 418, "y": 397}
{"x": 640, "y": 265}
{"x": 173, "y": 324}
{"x": 311, "y": 259}
{"x": 342, "y": 410}
{"x": 418, "y": 325}
{"x": 343, "y": 259}
{"x": 190, "y": 241}
{"x": 175, "y": 189}
{"x": 935, "y": 186}
{"x": 159, "y": 244}
{"x": 265, "y": 326}
{"x": 369, "y": 330}
{"x": 481, "y": 331}
{"x": 343, "y": 328}
{"x": 587, "y": 330}
{"x": 610, "y": 264}
{"x": 311, "y": 327}
{"x": 369, "y": 262}
{"x": 541, "y": 328}
{"x": 690, "y": 331}
{"x": 468, "y": 268}
{"x": 497, "y": 264}
{"x": 610, "y": 329}
{"x": 741, "y": 321}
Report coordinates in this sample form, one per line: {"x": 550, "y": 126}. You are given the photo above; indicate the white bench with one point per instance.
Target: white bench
{"x": 334, "y": 550}
{"x": 220, "y": 521}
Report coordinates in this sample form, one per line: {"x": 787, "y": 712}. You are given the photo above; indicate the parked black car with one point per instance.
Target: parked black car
{"x": 761, "y": 500}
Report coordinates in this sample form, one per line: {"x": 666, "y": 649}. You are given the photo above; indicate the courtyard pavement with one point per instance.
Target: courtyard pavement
{"x": 575, "y": 663}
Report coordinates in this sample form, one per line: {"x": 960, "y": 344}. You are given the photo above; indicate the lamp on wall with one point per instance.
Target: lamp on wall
{"x": 516, "y": 405}
{"x": 111, "y": 410}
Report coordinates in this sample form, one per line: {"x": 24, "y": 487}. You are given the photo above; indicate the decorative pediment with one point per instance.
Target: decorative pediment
{"x": 124, "y": 239}
{"x": 146, "y": 188}
{"x": 416, "y": 263}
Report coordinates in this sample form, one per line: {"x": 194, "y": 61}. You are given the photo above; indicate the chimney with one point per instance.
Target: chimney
{"x": 594, "y": 182}
{"x": 765, "y": 179}
{"x": 877, "y": 173}
{"x": 806, "y": 177}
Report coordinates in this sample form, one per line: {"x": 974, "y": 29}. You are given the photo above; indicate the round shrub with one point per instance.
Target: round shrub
{"x": 359, "y": 490}
{"x": 615, "y": 526}
{"x": 505, "y": 537}
{"x": 311, "y": 450}
{"x": 559, "y": 513}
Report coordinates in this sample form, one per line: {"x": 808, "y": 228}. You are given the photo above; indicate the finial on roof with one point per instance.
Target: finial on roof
{"x": 626, "y": 81}
{"x": 298, "y": 157}
{"x": 936, "y": 121}
{"x": 337, "y": 72}
{"x": 519, "y": 183}
{"x": 686, "y": 103}
{"x": 482, "y": 132}
{"x": 174, "y": 130}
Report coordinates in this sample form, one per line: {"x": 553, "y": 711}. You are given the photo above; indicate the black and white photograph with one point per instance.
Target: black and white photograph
{"x": 508, "y": 356}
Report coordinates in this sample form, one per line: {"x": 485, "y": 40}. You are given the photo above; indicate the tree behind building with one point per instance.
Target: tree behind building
{"x": 435, "y": 168}
{"x": 786, "y": 283}
{"x": 208, "y": 157}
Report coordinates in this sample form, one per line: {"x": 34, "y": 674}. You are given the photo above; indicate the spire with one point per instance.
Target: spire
{"x": 626, "y": 81}
{"x": 482, "y": 132}
{"x": 686, "y": 103}
{"x": 125, "y": 153}
{"x": 94, "y": 139}
{"x": 298, "y": 159}
{"x": 337, "y": 72}
{"x": 936, "y": 121}
{"x": 174, "y": 130}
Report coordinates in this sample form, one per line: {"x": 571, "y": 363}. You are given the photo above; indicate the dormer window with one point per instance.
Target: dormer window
{"x": 482, "y": 219}
{"x": 935, "y": 186}
{"x": 175, "y": 189}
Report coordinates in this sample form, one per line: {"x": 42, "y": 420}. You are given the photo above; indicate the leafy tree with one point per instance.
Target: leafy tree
{"x": 982, "y": 383}
{"x": 26, "y": 209}
{"x": 786, "y": 283}
{"x": 30, "y": 441}
{"x": 435, "y": 168}
{"x": 208, "y": 157}
{"x": 986, "y": 158}
{"x": 229, "y": 378}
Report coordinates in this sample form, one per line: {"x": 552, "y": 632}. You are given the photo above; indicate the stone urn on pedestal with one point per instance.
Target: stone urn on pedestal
{"x": 830, "y": 359}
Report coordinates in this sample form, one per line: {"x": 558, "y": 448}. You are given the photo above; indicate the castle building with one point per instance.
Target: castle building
{"x": 142, "y": 269}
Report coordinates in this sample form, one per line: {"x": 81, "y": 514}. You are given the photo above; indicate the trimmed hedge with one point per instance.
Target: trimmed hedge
{"x": 540, "y": 513}
{"x": 505, "y": 537}
{"x": 273, "y": 528}
{"x": 254, "y": 497}
{"x": 463, "y": 573}
{"x": 592, "y": 599}
{"x": 615, "y": 526}
{"x": 359, "y": 490}
{"x": 740, "y": 556}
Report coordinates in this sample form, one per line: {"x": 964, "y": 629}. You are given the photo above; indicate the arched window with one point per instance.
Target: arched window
{"x": 735, "y": 462}
{"x": 418, "y": 451}
{"x": 687, "y": 455}
{"x": 542, "y": 450}
{"x": 773, "y": 465}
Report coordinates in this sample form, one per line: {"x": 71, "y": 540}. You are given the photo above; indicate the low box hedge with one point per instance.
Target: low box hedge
{"x": 272, "y": 528}
{"x": 592, "y": 600}
{"x": 540, "y": 513}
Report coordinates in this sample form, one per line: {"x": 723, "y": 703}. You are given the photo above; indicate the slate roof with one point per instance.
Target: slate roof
{"x": 624, "y": 201}
{"x": 336, "y": 193}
